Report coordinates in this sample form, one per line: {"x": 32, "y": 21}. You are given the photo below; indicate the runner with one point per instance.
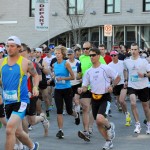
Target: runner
{"x": 136, "y": 77}
{"x": 98, "y": 77}
{"x": 63, "y": 93}
{"x": 85, "y": 101}
{"x": 15, "y": 93}
{"x": 119, "y": 90}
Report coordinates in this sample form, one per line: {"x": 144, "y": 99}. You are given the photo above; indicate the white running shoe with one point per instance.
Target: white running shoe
{"x": 16, "y": 147}
{"x": 108, "y": 145}
{"x": 137, "y": 128}
{"x": 148, "y": 129}
{"x": 111, "y": 131}
{"x": 45, "y": 122}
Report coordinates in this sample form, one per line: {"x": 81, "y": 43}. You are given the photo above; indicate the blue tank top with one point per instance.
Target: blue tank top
{"x": 60, "y": 70}
{"x": 14, "y": 82}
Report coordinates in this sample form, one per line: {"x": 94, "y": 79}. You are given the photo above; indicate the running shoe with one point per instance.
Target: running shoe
{"x": 84, "y": 135}
{"x": 77, "y": 119}
{"x": 45, "y": 122}
{"x": 36, "y": 146}
{"x": 128, "y": 120}
{"x": 137, "y": 128}
{"x": 60, "y": 134}
{"x": 148, "y": 129}
{"x": 108, "y": 145}
{"x": 111, "y": 131}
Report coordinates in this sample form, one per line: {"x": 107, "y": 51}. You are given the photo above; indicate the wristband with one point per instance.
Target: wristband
{"x": 125, "y": 80}
{"x": 35, "y": 87}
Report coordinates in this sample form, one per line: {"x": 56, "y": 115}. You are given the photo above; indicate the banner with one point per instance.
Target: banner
{"x": 42, "y": 15}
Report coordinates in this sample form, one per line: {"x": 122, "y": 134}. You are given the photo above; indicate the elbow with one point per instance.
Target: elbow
{"x": 72, "y": 77}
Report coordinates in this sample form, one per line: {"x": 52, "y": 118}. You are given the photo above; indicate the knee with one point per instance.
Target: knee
{"x": 85, "y": 108}
{"x": 99, "y": 119}
{"x": 133, "y": 105}
{"x": 9, "y": 130}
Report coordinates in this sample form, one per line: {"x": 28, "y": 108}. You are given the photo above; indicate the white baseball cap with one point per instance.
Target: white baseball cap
{"x": 14, "y": 40}
{"x": 38, "y": 50}
{"x": 1, "y": 49}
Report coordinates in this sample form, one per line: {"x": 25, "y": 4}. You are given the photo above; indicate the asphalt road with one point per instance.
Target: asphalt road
{"x": 125, "y": 138}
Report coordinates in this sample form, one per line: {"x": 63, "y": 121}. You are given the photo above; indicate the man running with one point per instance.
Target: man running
{"x": 99, "y": 77}
{"x": 15, "y": 92}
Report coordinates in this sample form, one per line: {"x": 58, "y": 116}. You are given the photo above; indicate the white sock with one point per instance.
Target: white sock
{"x": 77, "y": 108}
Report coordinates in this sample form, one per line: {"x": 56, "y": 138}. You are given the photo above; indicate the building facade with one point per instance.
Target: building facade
{"x": 76, "y": 21}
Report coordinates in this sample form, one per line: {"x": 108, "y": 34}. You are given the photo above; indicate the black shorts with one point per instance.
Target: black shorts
{"x": 31, "y": 111}
{"x": 75, "y": 89}
{"x": 143, "y": 94}
{"x": 52, "y": 83}
{"x": 101, "y": 106}
{"x": 117, "y": 89}
{"x": 86, "y": 94}
{"x": 43, "y": 85}
{"x": 2, "y": 113}
{"x": 12, "y": 107}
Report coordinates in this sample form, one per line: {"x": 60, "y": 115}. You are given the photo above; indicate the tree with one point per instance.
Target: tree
{"x": 75, "y": 18}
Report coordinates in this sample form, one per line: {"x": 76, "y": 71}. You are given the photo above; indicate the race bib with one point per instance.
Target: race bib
{"x": 134, "y": 78}
{"x": 23, "y": 107}
{"x": 60, "y": 82}
{"x": 10, "y": 95}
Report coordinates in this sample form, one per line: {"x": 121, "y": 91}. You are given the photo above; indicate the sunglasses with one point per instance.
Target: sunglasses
{"x": 22, "y": 51}
{"x": 113, "y": 55}
{"x": 92, "y": 55}
{"x": 86, "y": 48}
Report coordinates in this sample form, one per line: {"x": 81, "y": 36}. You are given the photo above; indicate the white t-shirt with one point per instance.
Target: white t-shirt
{"x": 119, "y": 68}
{"x": 134, "y": 66}
{"x": 99, "y": 78}
{"x": 74, "y": 66}
{"x": 48, "y": 61}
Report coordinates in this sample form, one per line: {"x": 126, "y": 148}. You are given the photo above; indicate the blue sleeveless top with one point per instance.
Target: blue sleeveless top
{"x": 60, "y": 70}
{"x": 14, "y": 82}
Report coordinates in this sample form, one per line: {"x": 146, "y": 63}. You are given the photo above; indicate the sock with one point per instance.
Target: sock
{"x": 148, "y": 123}
{"x": 77, "y": 108}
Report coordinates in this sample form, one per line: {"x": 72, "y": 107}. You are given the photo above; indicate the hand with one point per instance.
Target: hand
{"x": 59, "y": 79}
{"x": 141, "y": 75}
{"x": 80, "y": 90}
{"x": 35, "y": 91}
{"x": 110, "y": 89}
{"x": 48, "y": 82}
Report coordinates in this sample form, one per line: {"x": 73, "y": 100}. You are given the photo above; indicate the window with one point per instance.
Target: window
{"x": 112, "y": 6}
{"x": 146, "y": 5}
{"x": 75, "y": 7}
{"x": 32, "y": 8}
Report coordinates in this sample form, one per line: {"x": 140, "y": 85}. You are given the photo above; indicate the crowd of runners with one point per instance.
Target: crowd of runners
{"x": 82, "y": 78}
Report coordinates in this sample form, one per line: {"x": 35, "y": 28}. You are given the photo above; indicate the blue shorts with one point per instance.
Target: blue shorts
{"x": 20, "y": 114}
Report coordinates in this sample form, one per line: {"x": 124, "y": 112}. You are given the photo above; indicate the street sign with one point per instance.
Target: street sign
{"x": 107, "y": 30}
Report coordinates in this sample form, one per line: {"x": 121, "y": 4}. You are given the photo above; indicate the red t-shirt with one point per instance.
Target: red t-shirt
{"x": 107, "y": 59}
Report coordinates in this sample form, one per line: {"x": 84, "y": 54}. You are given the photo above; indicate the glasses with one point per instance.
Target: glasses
{"x": 92, "y": 55}
{"x": 133, "y": 49}
{"x": 86, "y": 48}
{"x": 113, "y": 55}
{"x": 22, "y": 51}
